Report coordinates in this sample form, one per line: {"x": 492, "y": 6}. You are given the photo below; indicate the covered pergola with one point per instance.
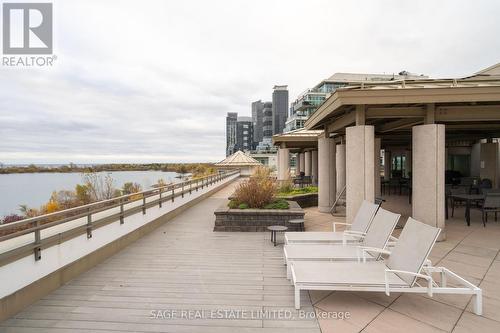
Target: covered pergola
{"x": 425, "y": 120}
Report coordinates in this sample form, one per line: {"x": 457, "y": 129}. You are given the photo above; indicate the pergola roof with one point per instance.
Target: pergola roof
{"x": 238, "y": 159}
{"x": 301, "y": 138}
{"x": 470, "y": 107}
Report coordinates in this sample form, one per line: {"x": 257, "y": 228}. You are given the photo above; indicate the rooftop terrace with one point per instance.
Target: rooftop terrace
{"x": 184, "y": 265}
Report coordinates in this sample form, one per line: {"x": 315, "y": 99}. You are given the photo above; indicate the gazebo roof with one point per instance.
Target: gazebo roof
{"x": 298, "y": 139}
{"x": 238, "y": 159}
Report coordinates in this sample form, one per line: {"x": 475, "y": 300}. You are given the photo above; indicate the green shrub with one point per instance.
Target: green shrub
{"x": 295, "y": 191}
{"x": 233, "y": 204}
{"x": 243, "y": 206}
{"x": 278, "y": 204}
{"x": 258, "y": 191}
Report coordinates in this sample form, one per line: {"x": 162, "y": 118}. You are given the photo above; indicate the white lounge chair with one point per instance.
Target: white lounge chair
{"x": 358, "y": 228}
{"x": 399, "y": 273}
{"x": 376, "y": 238}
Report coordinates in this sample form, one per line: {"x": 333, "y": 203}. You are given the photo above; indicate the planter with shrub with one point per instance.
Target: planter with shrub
{"x": 254, "y": 206}
{"x": 305, "y": 197}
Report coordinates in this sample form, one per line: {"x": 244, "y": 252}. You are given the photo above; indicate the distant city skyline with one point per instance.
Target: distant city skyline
{"x": 153, "y": 81}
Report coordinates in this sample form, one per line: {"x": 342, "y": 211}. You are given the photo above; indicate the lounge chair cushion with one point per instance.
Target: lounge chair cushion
{"x": 369, "y": 274}
{"x": 412, "y": 248}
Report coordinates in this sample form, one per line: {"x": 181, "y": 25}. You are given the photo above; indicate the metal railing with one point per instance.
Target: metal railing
{"x": 36, "y": 224}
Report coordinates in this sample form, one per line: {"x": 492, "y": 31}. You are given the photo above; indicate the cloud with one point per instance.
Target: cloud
{"x": 153, "y": 80}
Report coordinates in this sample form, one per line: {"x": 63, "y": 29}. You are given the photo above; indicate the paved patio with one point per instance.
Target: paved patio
{"x": 472, "y": 252}
{"x": 184, "y": 265}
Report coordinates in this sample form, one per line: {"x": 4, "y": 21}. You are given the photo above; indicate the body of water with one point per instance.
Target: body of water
{"x": 34, "y": 189}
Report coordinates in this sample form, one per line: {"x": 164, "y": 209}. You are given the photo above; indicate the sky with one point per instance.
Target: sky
{"x": 152, "y": 81}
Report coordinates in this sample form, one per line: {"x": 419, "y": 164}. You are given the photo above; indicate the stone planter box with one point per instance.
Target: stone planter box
{"x": 304, "y": 200}
{"x": 227, "y": 219}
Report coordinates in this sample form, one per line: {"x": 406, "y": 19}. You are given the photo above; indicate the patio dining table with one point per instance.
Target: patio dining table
{"x": 468, "y": 198}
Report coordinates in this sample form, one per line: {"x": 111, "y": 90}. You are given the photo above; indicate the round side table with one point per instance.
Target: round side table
{"x": 298, "y": 224}
{"x": 274, "y": 230}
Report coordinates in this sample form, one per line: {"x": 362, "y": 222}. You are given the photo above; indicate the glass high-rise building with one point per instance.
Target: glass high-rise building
{"x": 257, "y": 119}
{"x": 280, "y": 108}
{"x": 267, "y": 120}
{"x": 239, "y": 133}
{"x": 231, "y": 119}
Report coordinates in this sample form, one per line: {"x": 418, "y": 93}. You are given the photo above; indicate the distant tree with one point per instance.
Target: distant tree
{"x": 129, "y": 188}
{"x": 28, "y": 212}
{"x": 100, "y": 187}
{"x": 182, "y": 169}
{"x": 12, "y": 218}
{"x": 82, "y": 194}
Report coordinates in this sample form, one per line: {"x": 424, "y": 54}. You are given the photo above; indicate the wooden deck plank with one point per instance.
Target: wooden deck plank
{"x": 183, "y": 265}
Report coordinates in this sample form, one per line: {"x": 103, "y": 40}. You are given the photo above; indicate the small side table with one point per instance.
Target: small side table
{"x": 274, "y": 230}
{"x": 299, "y": 223}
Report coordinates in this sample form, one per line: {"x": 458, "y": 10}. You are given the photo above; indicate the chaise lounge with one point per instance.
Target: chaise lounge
{"x": 376, "y": 239}
{"x": 403, "y": 271}
{"x": 357, "y": 230}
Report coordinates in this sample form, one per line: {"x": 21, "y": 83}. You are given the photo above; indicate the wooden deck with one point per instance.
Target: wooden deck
{"x": 227, "y": 281}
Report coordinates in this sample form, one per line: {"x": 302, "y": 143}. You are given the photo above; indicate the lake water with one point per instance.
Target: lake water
{"x": 34, "y": 189}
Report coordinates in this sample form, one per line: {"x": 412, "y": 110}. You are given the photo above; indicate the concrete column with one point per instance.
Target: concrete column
{"x": 308, "y": 164}
{"x": 314, "y": 166}
{"x": 283, "y": 164}
{"x": 360, "y": 168}
{"x": 387, "y": 164}
{"x": 428, "y": 175}
{"x": 376, "y": 162}
{"x": 302, "y": 163}
{"x": 340, "y": 166}
{"x": 326, "y": 174}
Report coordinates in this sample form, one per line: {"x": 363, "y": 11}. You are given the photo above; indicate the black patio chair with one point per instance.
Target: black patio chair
{"x": 454, "y": 201}
{"x": 491, "y": 205}
{"x": 485, "y": 184}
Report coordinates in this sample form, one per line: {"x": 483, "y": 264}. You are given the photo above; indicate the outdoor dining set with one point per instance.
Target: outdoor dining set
{"x": 473, "y": 195}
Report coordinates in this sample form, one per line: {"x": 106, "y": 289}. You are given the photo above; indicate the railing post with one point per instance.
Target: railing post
{"x": 37, "y": 249}
{"x": 202, "y": 183}
{"x": 122, "y": 217}
{"x": 182, "y": 190}
{"x": 159, "y": 200}
{"x": 143, "y": 204}
{"x": 190, "y": 185}
{"x": 173, "y": 192}
{"x": 196, "y": 184}
{"x": 89, "y": 224}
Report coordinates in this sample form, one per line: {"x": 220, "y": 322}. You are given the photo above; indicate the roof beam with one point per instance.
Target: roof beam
{"x": 360, "y": 115}
{"x": 399, "y": 124}
{"x": 342, "y": 122}
{"x": 395, "y": 112}
{"x": 430, "y": 113}
{"x": 468, "y": 113}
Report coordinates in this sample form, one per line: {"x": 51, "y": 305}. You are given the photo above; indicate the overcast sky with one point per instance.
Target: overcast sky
{"x": 152, "y": 81}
